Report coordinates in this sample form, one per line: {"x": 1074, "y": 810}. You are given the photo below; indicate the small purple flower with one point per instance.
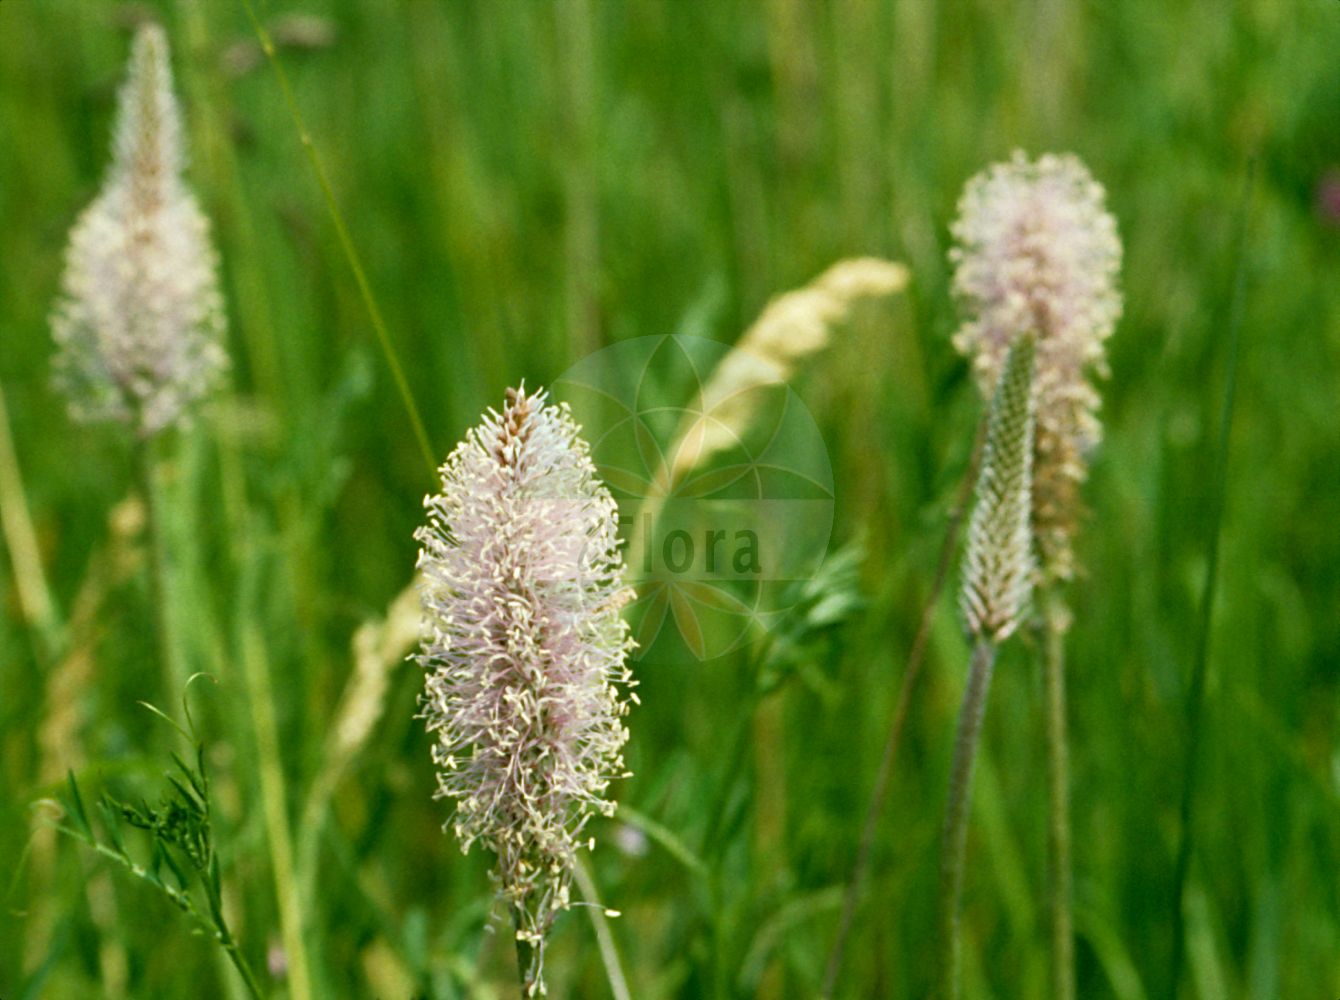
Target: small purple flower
{"x": 525, "y": 651}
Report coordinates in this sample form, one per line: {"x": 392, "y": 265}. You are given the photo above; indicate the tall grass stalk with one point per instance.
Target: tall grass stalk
{"x": 1036, "y": 249}
{"x": 35, "y": 600}
{"x": 1055, "y": 620}
{"x": 287, "y": 886}
{"x": 1200, "y": 666}
{"x": 232, "y": 488}
{"x": 53, "y": 642}
{"x": 956, "y": 814}
{"x": 915, "y": 658}
{"x": 274, "y": 801}
{"x": 255, "y": 310}
{"x": 609, "y": 954}
{"x": 770, "y": 853}
{"x": 582, "y": 224}
{"x": 260, "y": 701}
{"x": 160, "y": 574}
{"x": 998, "y": 570}
{"x": 346, "y": 243}
{"x": 61, "y": 747}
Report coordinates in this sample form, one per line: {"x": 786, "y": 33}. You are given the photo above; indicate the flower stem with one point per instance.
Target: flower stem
{"x": 240, "y": 963}
{"x": 915, "y": 658}
{"x": 956, "y": 813}
{"x": 160, "y": 577}
{"x": 274, "y": 802}
{"x": 35, "y": 600}
{"x": 226, "y": 940}
{"x": 525, "y": 952}
{"x": 1058, "y": 786}
{"x": 609, "y": 955}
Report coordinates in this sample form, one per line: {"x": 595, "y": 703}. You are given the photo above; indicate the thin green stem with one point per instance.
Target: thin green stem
{"x": 955, "y": 843}
{"x": 609, "y": 954}
{"x": 160, "y": 587}
{"x": 240, "y": 963}
{"x": 263, "y": 719}
{"x": 229, "y": 943}
{"x": 225, "y": 935}
{"x": 39, "y": 609}
{"x": 346, "y": 242}
{"x": 915, "y": 658}
{"x": 274, "y": 804}
{"x": 1196, "y": 692}
{"x": 215, "y": 926}
{"x": 1058, "y": 786}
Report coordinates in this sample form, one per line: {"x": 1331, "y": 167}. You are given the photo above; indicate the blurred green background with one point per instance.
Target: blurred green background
{"x": 531, "y": 181}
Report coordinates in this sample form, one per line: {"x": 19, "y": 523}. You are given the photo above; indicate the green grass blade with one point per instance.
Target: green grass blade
{"x": 346, "y": 242}
{"x": 1200, "y": 666}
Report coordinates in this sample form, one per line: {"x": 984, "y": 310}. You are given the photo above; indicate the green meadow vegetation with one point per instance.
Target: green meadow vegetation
{"x": 523, "y": 184}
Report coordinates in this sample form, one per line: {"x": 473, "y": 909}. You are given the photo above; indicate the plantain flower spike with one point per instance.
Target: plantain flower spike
{"x": 139, "y": 322}
{"x": 998, "y": 560}
{"x": 525, "y": 652}
{"x": 1038, "y": 252}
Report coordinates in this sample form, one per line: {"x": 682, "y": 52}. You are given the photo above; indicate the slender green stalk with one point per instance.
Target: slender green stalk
{"x": 1058, "y": 786}
{"x": 346, "y": 242}
{"x": 243, "y": 968}
{"x": 274, "y": 801}
{"x": 260, "y": 712}
{"x": 956, "y": 814}
{"x": 997, "y": 582}
{"x": 582, "y": 228}
{"x": 609, "y": 955}
{"x": 215, "y": 926}
{"x": 915, "y": 658}
{"x": 160, "y": 576}
{"x": 59, "y": 643}
{"x": 768, "y": 743}
{"x": 39, "y": 610}
{"x": 1196, "y": 692}
{"x": 214, "y": 894}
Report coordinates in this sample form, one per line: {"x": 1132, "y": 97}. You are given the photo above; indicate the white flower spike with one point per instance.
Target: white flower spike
{"x": 525, "y": 651}
{"x": 140, "y": 320}
{"x": 1038, "y": 253}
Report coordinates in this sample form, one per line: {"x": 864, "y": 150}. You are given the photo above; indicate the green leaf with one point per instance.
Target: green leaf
{"x": 77, "y": 807}
{"x": 111, "y": 821}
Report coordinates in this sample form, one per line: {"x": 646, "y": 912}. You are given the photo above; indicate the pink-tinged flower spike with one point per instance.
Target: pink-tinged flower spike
{"x": 525, "y": 651}
{"x": 1038, "y": 252}
{"x": 140, "y": 320}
